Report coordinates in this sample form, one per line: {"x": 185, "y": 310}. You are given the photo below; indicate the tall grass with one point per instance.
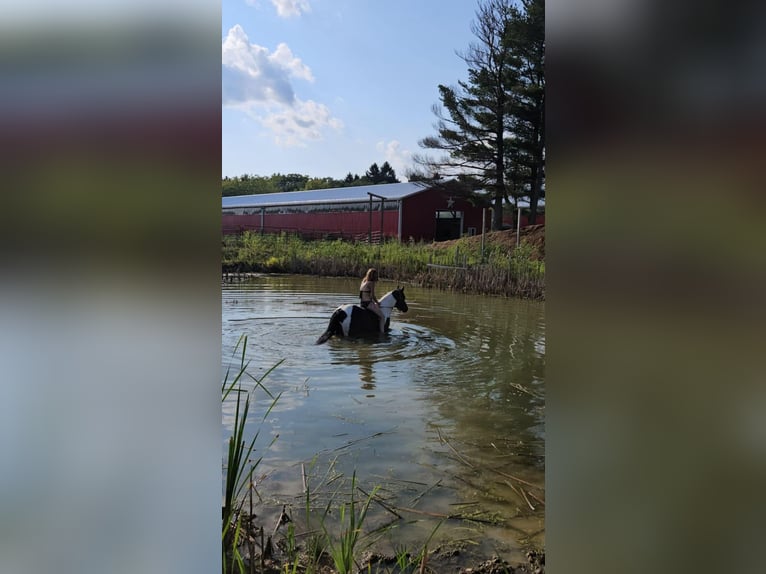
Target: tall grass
{"x": 239, "y": 465}
{"x": 462, "y": 266}
{"x": 343, "y": 549}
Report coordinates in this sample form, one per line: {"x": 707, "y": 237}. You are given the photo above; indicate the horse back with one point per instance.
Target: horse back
{"x": 363, "y": 321}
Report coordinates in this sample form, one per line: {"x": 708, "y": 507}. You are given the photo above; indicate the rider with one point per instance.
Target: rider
{"x": 367, "y": 296}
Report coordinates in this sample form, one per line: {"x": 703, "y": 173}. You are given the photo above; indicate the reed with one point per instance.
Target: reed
{"x": 422, "y": 557}
{"x": 238, "y": 457}
{"x": 351, "y": 517}
{"x": 292, "y": 563}
{"x": 462, "y": 265}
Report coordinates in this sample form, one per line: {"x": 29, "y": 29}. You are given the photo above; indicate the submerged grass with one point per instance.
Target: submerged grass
{"x": 462, "y": 265}
{"x": 333, "y": 536}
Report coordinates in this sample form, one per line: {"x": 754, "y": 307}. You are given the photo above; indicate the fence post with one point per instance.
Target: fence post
{"x": 483, "y": 228}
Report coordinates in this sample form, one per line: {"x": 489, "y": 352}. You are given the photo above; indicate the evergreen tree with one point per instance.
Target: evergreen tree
{"x": 526, "y": 158}
{"x": 373, "y": 174}
{"x": 487, "y": 124}
{"x": 387, "y": 173}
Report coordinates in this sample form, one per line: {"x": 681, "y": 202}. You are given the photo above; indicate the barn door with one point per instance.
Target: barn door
{"x": 449, "y": 225}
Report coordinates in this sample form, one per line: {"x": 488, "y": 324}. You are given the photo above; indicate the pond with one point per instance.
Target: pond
{"x": 444, "y": 415}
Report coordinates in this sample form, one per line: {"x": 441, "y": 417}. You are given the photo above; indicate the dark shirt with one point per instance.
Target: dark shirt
{"x": 364, "y": 304}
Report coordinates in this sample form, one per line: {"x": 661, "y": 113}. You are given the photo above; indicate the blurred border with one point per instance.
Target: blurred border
{"x": 110, "y": 410}
{"x": 655, "y": 324}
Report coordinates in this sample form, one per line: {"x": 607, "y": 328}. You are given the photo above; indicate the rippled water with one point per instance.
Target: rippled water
{"x": 445, "y": 413}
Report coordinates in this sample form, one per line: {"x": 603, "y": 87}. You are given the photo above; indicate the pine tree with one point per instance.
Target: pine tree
{"x": 526, "y": 159}
{"x": 373, "y": 174}
{"x": 490, "y": 127}
{"x": 388, "y": 174}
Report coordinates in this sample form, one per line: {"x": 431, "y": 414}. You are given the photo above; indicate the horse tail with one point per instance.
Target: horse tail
{"x": 334, "y": 328}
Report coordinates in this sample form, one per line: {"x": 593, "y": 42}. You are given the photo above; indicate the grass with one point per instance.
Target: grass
{"x": 239, "y": 465}
{"x": 352, "y": 515}
{"x": 238, "y": 482}
{"x": 402, "y": 557}
{"x": 497, "y": 269}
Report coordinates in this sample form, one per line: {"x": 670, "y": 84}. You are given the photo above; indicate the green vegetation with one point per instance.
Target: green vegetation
{"x": 277, "y": 183}
{"x": 238, "y": 476}
{"x": 334, "y": 537}
{"x": 343, "y": 549}
{"x": 462, "y": 265}
{"x": 491, "y": 127}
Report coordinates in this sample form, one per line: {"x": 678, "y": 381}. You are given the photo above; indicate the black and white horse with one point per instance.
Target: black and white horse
{"x": 354, "y": 321}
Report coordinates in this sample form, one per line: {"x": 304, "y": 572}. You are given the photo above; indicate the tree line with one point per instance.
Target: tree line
{"x": 278, "y": 182}
{"x": 490, "y": 128}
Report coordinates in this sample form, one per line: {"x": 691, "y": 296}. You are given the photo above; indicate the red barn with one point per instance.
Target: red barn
{"x": 522, "y": 219}
{"x": 394, "y": 210}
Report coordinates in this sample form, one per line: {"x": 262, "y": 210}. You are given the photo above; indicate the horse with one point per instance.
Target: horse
{"x": 354, "y": 321}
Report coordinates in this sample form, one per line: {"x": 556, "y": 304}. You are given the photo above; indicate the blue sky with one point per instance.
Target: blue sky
{"x": 327, "y": 87}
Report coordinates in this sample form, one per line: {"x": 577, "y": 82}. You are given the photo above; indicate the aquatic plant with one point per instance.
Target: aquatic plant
{"x": 238, "y": 477}
{"x": 462, "y": 265}
{"x": 342, "y": 549}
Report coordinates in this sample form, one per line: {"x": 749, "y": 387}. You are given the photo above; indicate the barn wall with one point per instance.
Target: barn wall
{"x": 419, "y": 214}
{"x": 418, "y": 219}
{"x": 511, "y": 221}
{"x": 339, "y": 224}
{"x": 472, "y": 216}
{"x": 238, "y": 223}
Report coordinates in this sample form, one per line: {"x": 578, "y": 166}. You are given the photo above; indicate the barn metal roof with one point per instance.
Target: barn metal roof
{"x": 392, "y": 191}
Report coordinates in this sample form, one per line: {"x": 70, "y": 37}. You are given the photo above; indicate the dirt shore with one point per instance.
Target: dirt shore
{"x": 437, "y": 562}
{"x": 534, "y": 235}
{"x": 277, "y": 558}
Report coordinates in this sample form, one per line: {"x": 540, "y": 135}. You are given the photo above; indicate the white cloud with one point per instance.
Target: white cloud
{"x": 288, "y": 8}
{"x": 252, "y": 74}
{"x": 397, "y": 158}
{"x": 284, "y": 57}
{"x": 304, "y": 122}
{"x": 258, "y": 82}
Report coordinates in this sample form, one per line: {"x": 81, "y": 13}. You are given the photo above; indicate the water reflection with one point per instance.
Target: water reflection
{"x": 458, "y": 379}
{"x": 366, "y": 371}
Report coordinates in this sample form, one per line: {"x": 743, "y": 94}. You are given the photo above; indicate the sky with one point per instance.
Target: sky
{"x": 327, "y": 87}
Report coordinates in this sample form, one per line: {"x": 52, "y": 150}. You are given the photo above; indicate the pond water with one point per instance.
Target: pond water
{"x": 445, "y": 415}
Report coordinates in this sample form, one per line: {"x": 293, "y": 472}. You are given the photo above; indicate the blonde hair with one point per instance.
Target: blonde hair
{"x": 371, "y": 275}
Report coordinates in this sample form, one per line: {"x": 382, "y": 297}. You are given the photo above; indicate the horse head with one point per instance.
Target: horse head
{"x": 401, "y": 302}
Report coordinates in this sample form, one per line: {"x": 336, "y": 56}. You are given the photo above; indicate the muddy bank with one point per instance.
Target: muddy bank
{"x": 289, "y": 547}
{"x": 286, "y": 556}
